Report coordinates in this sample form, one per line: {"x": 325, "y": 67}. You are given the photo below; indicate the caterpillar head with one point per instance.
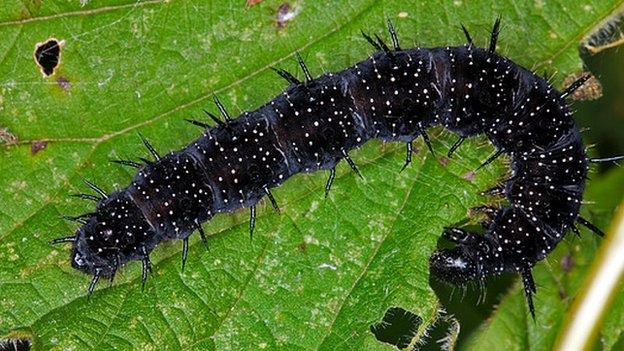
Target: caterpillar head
{"x": 89, "y": 253}
{"x": 114, "y": 234}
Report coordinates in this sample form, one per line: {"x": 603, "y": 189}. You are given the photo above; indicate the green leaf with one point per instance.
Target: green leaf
{"x": 315, "y": 277}
{"x": 559, "y": 280}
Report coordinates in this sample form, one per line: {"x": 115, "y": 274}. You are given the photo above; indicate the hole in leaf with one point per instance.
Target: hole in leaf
{"x": 397, "y": 327}
{"x": 47, "y": 55}
{"x": 471, "y": 305}
{"x": 15, "y": 344}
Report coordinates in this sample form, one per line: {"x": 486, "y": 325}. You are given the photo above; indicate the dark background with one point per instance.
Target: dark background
{"x": 604, "y": 117}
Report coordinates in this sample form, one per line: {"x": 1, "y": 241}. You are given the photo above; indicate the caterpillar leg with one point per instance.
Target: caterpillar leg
{"x": 202, "y": 235}
{"x": 272, "y": 200}
{"x": 93, "y": 283}
{"x": 330, "y": 180}
{"x": 252, "y": 221}
{"x": 147, "y": 267}
{"x": 425, "y": 136}
{"x": 408, "y": 156}
{"x": 587, "y": 224}
{"x": 185, "y": 248}
{"x": 114, "y": 270}
{"x": 345, "y": 155}
{"x": 99, "y": 272}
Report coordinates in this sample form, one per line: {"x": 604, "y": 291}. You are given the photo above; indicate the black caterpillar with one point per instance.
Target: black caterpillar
{"x": 395, "y": 95}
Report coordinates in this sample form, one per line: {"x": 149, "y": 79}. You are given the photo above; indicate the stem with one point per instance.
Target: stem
{"x": 583, "y": 321}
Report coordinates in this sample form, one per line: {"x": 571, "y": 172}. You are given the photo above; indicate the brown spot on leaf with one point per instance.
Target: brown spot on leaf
{"x": 397, "y": 327}
{"x": 591, "y": 90}
{"x": 7, "y": 137}
{"x": 469, "y": 176}
{"x": 253, "y": 2}
{"x": 24, "y": 14}
{"x": 444, "y": 161}
{"x": 63, "y": 83}
{"x": 285, "y": 13}
{"x": 567, "y": 262}
{"x": 37, "y": 146}
{"x": 48, "y": 55}
{"x": 303, "y": 247}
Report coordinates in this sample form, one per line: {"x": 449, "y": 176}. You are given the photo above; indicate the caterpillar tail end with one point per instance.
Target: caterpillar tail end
{"x": 453, "y": 266}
